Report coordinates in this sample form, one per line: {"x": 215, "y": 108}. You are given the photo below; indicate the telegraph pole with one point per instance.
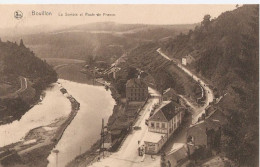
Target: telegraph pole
{"x": 102, "y": 140}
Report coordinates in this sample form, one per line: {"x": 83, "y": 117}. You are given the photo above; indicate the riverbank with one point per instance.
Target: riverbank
{"x": 39, "y": 142}
{"x": 118, "y": 128}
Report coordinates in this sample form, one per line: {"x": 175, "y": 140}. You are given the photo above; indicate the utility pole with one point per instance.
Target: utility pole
{"x": 56, "y": 152}
{"x": 102, "y": 141}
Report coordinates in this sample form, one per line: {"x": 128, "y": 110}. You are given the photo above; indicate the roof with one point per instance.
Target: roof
{"x": 136, "y": 82}
{"x": 153, "y": 137}
{"x": 178, "y": 151}
{"x": 206, "y": 124}
{"x": 165, "y": 112}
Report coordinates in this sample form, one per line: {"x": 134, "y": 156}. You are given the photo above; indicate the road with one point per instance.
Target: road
{"x": 23, "y": 83}
{"x": 23, "y": 87}
{"x": 197, "y": 111}
{"x": 127, "y": 156}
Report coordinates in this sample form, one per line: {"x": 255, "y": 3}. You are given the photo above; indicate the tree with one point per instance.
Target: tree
{"x": 206, "y": 21}
{"x": 21, "y": 43}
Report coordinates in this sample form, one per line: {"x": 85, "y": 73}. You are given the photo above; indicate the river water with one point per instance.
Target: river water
{"x": 95, "y": 103}
{"x": 53, "y": 106}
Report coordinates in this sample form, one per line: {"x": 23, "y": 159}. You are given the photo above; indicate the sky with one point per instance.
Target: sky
{"x": 130, "y": 14}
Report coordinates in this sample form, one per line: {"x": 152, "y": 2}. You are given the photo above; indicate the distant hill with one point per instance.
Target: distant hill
{"x": 104, "y": 41}
{"x": 226, "y": 53}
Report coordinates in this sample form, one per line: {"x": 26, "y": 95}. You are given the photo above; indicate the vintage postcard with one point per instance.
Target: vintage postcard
{"x": 129, "y": 85}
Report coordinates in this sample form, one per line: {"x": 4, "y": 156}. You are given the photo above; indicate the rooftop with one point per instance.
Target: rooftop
{"x": 153, "y": 137}
{"x": 207, "y": 123}
{"x": 165, "y": 112}
{"x": 136, "y": 82}
{"x": 178, "y": 150}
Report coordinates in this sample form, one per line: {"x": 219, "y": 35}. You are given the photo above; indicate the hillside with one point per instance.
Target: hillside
{"x": 104, "y": 41}
{"x": 23, "y": 77}
{"x": 165, "y": 74}
{"x": 226, "y": 53}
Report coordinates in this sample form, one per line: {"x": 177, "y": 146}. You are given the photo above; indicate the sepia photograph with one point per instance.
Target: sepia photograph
{"x": 129, "y": 85}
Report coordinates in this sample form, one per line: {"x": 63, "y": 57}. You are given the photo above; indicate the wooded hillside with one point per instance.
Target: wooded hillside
{"x": 23, "y": 77}
{"x": 226, "y": 53}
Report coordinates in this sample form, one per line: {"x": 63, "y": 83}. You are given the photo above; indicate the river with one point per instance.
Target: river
{"x": 54, "y": 105}
{"x": 95, "y": 103}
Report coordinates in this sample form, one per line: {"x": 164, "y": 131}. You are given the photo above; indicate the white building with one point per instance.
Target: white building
{"x": 166, "y": 119}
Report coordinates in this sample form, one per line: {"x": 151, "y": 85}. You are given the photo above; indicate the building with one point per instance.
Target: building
{"x": 170, "y": 94}
{"x": 112, "y": 72}
{"x": 161, "y": 125}
{"x": 177, "y": 155}
{"x": 187, "y": 60}
{"x": 207, "y": 132}
{"x": 136, "y": 90}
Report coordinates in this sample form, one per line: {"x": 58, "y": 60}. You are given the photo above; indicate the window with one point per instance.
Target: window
{"x": 157, "y": 125}
{"x": 163, "y": 125}
{"x": 152, "y": 124}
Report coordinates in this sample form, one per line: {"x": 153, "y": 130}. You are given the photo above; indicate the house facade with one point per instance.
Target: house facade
{"x": 165, "y": 121}
{"x": 136, "y": 90}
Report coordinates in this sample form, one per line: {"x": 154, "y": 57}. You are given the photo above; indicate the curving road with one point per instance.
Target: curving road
{"x": 23, "y": 87}
{"x": 198, "y": 111}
